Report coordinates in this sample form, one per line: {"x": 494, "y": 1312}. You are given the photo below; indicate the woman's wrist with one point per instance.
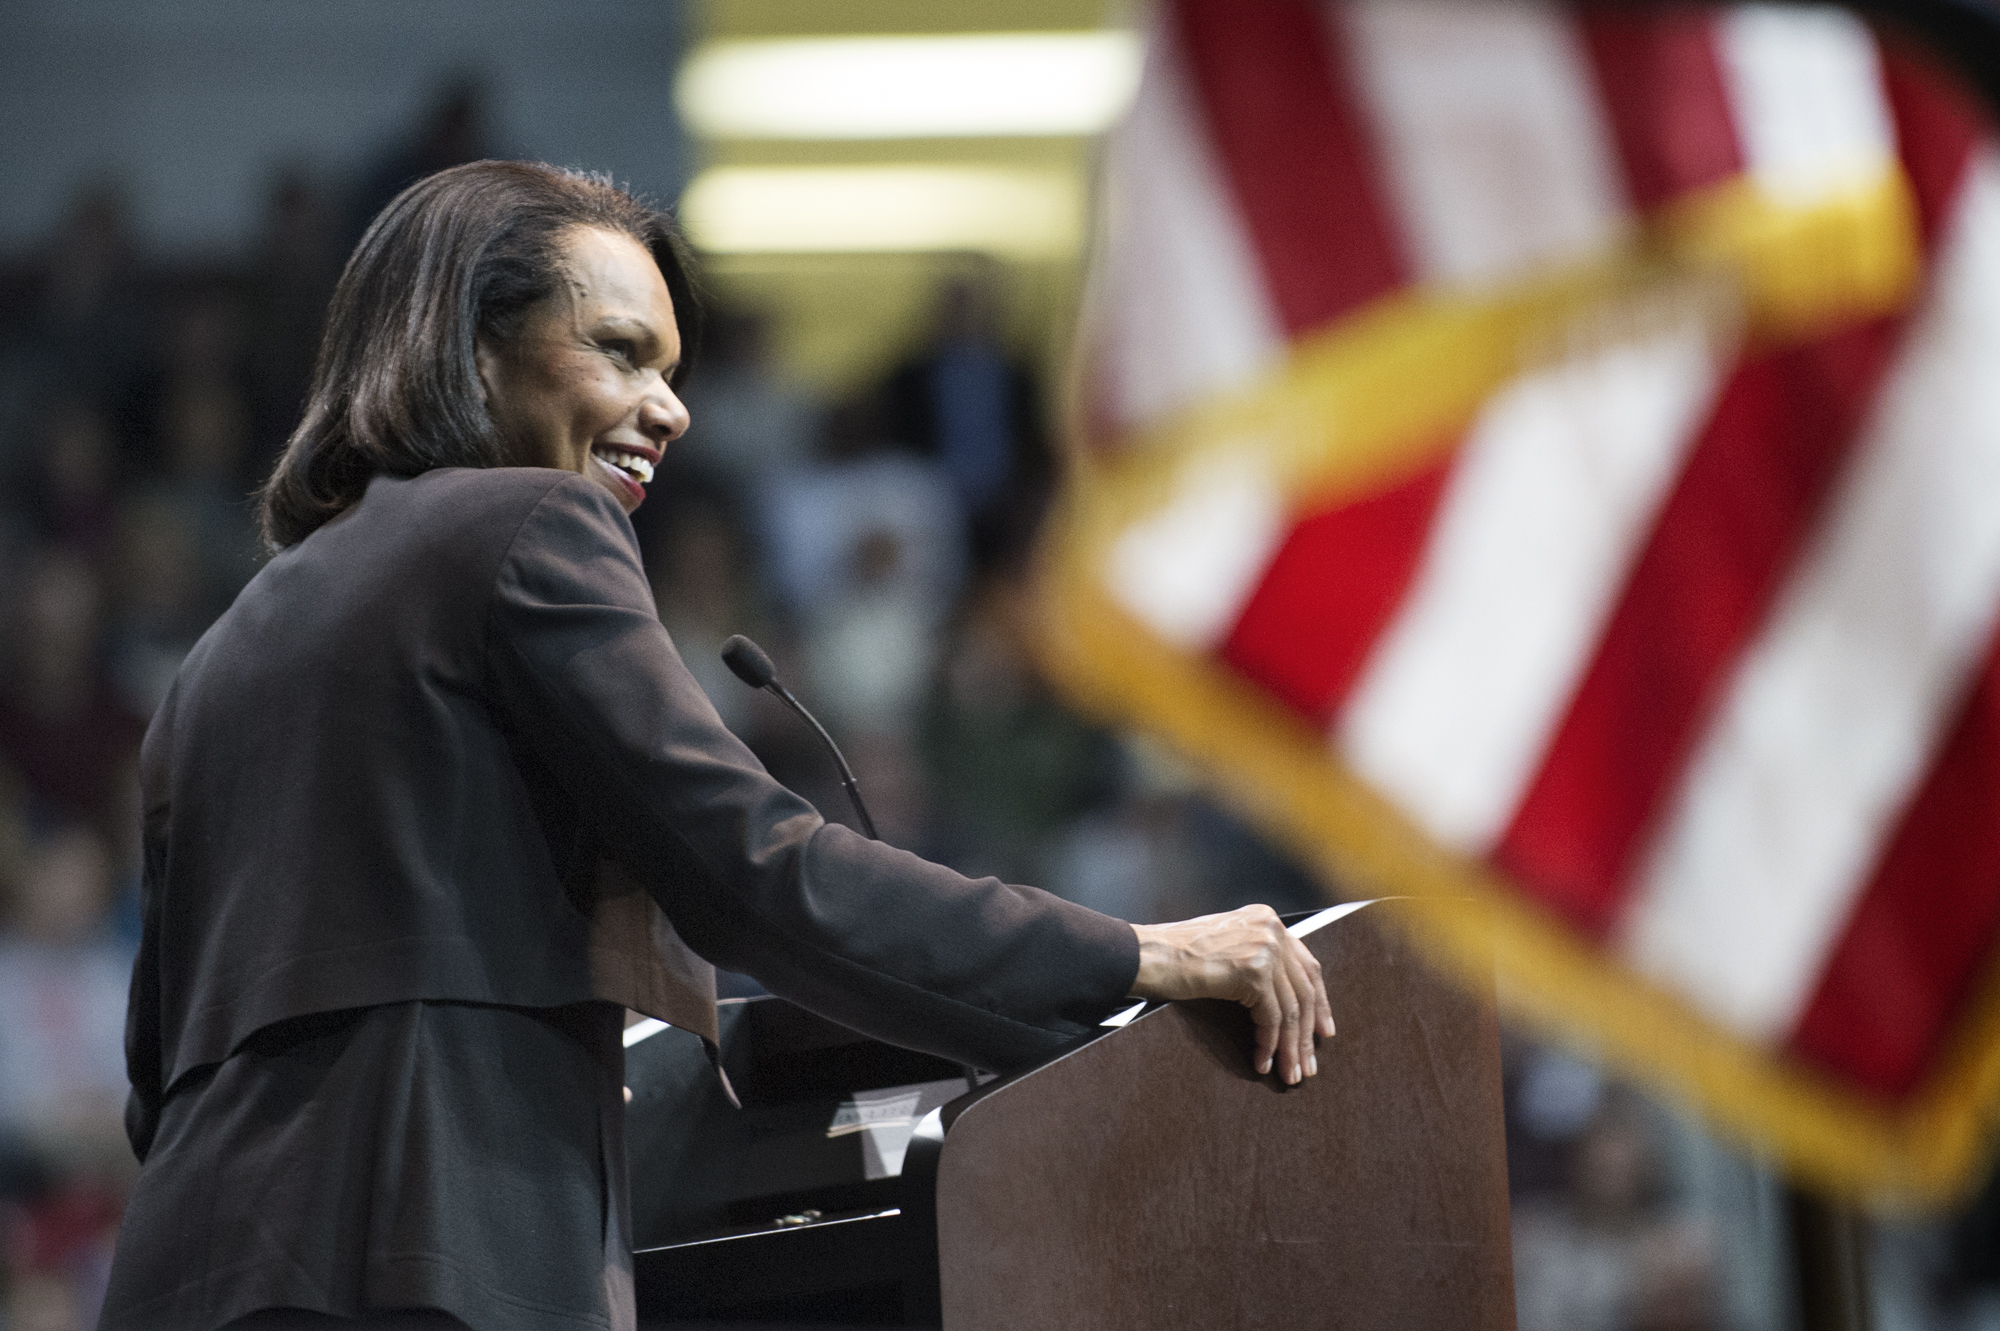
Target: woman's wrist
{"x": 1158, "y": 962}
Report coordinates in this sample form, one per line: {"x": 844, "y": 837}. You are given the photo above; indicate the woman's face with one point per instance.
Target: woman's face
{"x": 584, "y": 387}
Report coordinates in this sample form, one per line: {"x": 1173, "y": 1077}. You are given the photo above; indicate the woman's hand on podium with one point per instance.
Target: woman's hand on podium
{"x": 1244, "y": 956}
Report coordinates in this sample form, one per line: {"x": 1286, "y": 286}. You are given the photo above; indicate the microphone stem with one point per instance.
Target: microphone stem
{"x": 784, "y": 695}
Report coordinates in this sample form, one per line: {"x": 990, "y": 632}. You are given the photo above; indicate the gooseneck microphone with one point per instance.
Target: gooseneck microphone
{"x": 747, "y": 661}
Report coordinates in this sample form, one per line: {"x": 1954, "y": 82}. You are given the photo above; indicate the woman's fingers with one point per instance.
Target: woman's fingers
{"x": 1323, "y": 1016}
{"x": 1298, "y": 1032}
{"x": 1245, "y": 955}
{"x": 1305, "y": 1006}
{"x": 1281, "y": 983}
{"x": 1316, "y": 1015}
{"x": 1269, "y": 1017}
{"x": 1311, "y": 997}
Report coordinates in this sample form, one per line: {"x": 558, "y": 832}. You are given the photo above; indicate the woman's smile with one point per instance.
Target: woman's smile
{"x": 630, "y": 469}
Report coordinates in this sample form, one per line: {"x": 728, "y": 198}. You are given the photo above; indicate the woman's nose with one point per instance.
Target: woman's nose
{"x": 663, "y": 416}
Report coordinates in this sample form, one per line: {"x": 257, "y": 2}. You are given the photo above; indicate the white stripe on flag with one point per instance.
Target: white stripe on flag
{"x": 1548, "y": 503}
{"x": 1187, "y": 569}
{"x": 1178, "y": 307}
{"x": 1806, "y": 94}
{"x": 1494, "y": 143}
{"x": 1836, "y": 710}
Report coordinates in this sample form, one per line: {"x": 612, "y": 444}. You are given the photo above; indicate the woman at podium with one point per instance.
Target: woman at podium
{"x": 411, "y": 802}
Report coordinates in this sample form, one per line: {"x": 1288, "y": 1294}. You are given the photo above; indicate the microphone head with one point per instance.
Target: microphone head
{"x": 746, "y": 660}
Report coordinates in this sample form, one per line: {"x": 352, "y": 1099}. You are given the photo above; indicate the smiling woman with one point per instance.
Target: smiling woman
{"x": 477, "y": 314}
{"x": 436, "y": 800}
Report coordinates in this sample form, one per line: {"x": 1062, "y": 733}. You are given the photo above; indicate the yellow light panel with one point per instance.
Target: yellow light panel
{"x": 978, "y": 84}
{"x": 798, "y": 210}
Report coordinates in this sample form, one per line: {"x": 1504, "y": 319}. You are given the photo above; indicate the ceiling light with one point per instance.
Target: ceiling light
{"x": 1008, "y": 83}
{"x": 1017, "y": 212}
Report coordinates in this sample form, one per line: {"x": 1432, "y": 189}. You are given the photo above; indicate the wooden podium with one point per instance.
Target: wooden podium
{"x": 1142, "y": 1179}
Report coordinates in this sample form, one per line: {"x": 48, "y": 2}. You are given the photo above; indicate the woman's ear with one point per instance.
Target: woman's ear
{"x": 487, "y": 361}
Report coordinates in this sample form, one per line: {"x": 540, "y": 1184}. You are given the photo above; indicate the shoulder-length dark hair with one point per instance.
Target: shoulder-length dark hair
{"x": 457, "y": 256}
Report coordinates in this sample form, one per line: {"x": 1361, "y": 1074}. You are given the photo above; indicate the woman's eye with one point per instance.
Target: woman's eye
{"x": 625, "y": 351}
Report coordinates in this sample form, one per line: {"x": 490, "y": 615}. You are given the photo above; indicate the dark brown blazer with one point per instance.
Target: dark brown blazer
{"x": 433, "y": 742}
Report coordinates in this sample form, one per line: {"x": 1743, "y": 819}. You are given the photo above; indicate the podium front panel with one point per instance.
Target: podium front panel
{"x": 1149, "y": 1180}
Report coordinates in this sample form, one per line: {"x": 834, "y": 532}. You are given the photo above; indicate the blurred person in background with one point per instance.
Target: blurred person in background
{"x": 65, "y": 731}
{"x": 1013, "y": 767}
{"x": 63, "y": 976}
{"x": 200, "y": 359}
{"x": 867, "y": 552}
{"x": 205, "y": 447}
{"x": 1129, "y": 858}
{"x": 1606, "y": 1251}
{"x": 63, "y": 979}
{"x": 1938, "y": 1273}
{"x": 288, "y": 283}
{"x": 699, "y": 561}
{"x": 1157, "y": 851}
{"x": 392, "y": 791}
{"x": 746, "y": 425}
{"x": 964, "y": 402}
{"x": 66, "y": 482}
{"x": 82, "y": 325}
{"x": 452, "y": 133}
{"x": 19, "y": 1173}
{"x": 162, "y": 595}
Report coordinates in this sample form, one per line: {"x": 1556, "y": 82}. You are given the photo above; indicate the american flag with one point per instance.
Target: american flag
{"x": 1550, "y": 456}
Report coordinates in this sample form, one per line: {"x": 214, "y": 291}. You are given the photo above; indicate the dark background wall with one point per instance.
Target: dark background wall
{"x": 192, "y": 106}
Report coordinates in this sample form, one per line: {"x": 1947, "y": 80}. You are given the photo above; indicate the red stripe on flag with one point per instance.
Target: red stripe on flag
{"x": 1925, "y": 925}
{"x": 1662, "y": 90}
{"x": 1296, "y": 152}
{"x": 1720, "y": 549}
{"x": 1335, "y": 582}
{"x": 1936, "y": 124}
{"x": 1925, "y": 928}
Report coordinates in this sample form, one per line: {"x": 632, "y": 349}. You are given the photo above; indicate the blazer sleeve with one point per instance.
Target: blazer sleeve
{"x": 582, "y": 673}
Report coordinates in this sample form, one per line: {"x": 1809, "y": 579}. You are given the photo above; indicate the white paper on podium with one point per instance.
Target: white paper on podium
{"x": 1326, "y": 917}
{"x": 887, "y": 1118}
{"x": 1125, "y": 1017}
